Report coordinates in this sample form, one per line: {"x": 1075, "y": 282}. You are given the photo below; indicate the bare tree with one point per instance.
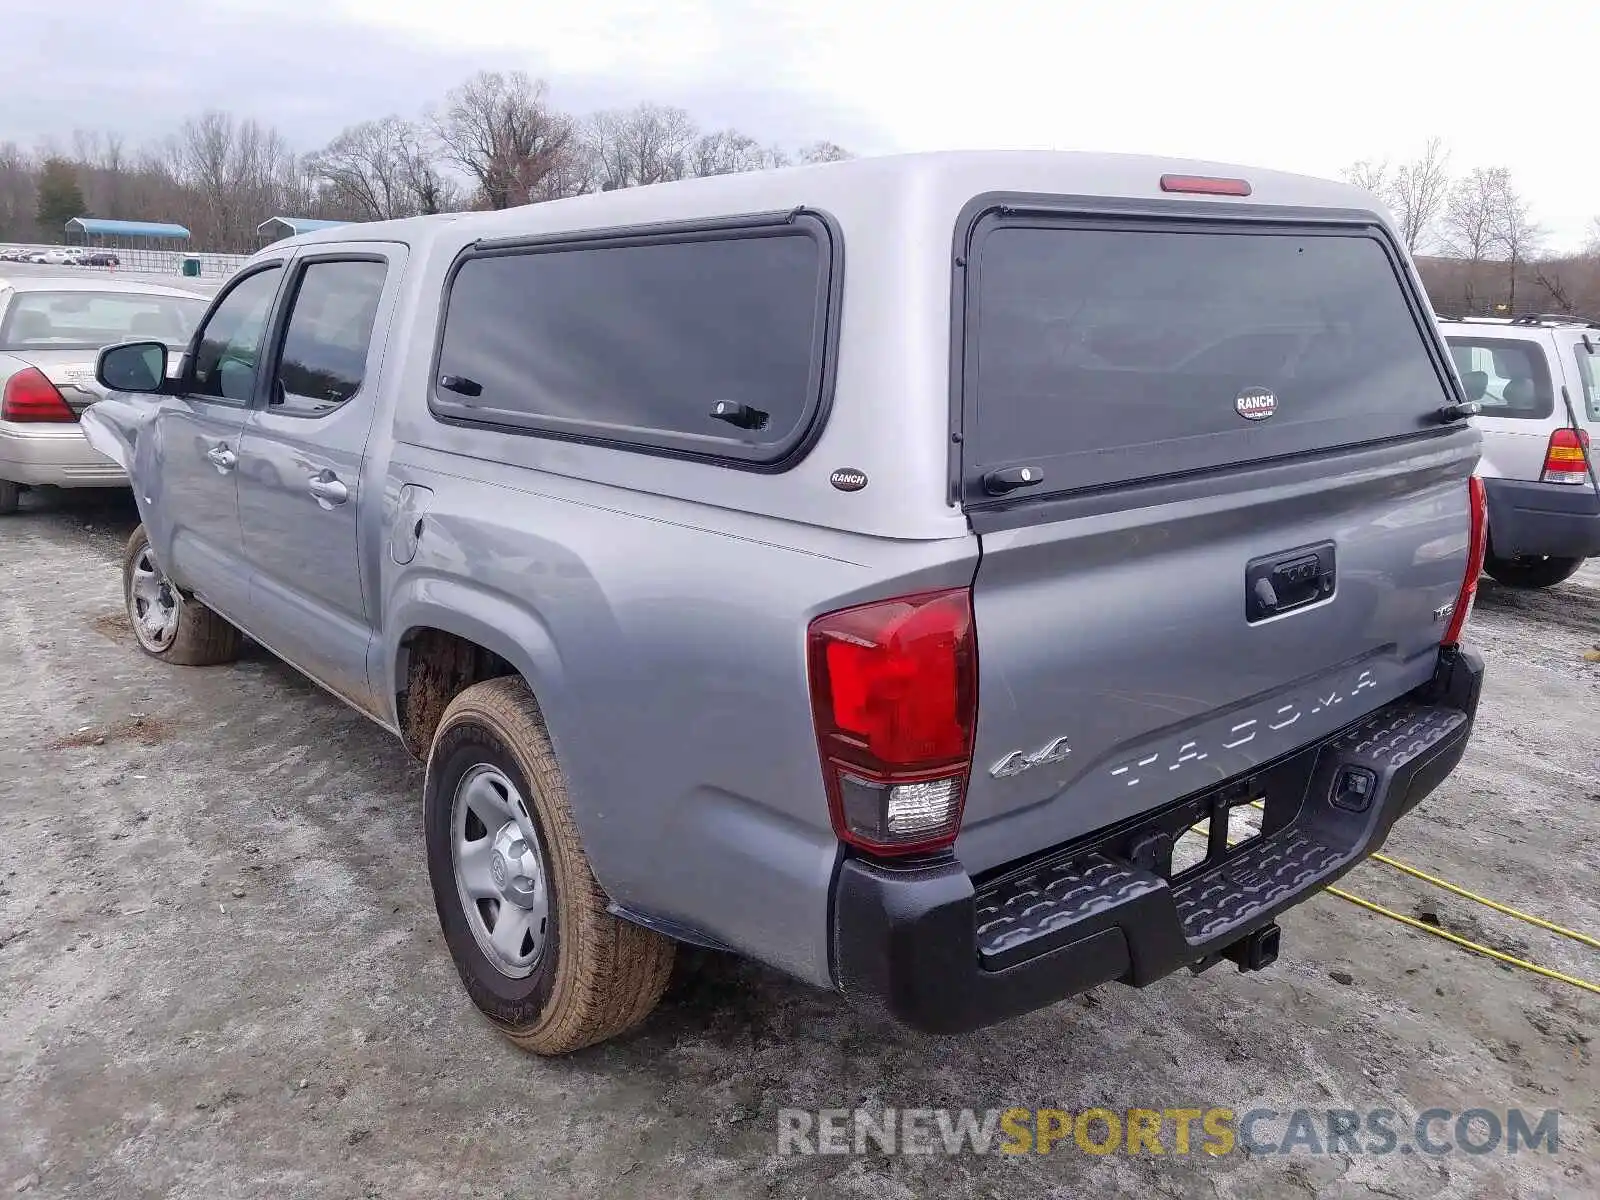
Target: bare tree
{"x": 501, "y": 129}
{"x": 1369, "y": 175}
{"x": 652, "y": 143}
{"x": 729, "y": 152}
{"x": 18, "y": 197}
{"x": 573, "y": 172}
{"x": 1473, "y": 220}
{"x": 1517, "y": 234}
{"x": 495, "y": 140}
{"x": 235, "y": 171}
{"x": 1553, "y": 278}
{"x": 823, "y": 152}
{"x": 379, "y": 170}
{"x": 101, "y": 163}
{"x": 1418, "y": 192}
{"x": 1593, "y": 245}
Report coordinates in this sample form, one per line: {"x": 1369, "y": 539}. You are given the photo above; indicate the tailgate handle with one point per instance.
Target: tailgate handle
{"x": 1279, "y": 583}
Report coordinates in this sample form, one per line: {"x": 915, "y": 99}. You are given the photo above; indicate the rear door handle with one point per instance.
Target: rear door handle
{"x": 223, "y": 459}
{"x": 328, "y": 490}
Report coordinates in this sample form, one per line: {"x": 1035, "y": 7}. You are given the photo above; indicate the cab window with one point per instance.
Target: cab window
{"x": 325, "y": 342}
{"x": 229, "y": 345}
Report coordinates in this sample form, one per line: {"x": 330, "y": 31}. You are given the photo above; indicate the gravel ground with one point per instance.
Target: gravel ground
{"x": 220, "y": 974}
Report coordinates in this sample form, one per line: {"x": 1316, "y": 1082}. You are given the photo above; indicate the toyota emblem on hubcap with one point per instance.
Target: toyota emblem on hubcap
{"x": 497, "y": 869}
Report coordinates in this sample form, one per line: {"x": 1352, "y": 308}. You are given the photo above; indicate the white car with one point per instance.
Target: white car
{"x": 1536, "y": 380}
{"x": 51, "y": 328}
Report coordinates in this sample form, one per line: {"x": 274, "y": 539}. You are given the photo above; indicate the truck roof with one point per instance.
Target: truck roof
{"x": 947, "y": 179}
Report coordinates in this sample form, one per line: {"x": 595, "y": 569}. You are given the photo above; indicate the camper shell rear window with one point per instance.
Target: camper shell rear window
{"x": 1101, "y": 351}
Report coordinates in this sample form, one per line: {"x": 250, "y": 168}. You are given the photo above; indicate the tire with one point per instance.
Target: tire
{"x": 568, "y": 974}
{"x": 190, "y": 635}
{"x": 10, "y": 497}
{"x": 1531, "y": 572}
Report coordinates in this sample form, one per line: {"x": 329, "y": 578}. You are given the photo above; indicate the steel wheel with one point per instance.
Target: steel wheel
{"x": 499, "y": 871}
{"x": 157, "y": 606}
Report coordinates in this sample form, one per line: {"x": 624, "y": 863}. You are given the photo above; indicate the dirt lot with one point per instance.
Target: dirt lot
{"x": 220, "y": 976}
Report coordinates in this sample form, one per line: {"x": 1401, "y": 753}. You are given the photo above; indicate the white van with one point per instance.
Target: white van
{"x": 1537, "y": 381}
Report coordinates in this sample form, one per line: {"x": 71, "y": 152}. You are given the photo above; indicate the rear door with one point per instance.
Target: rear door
{"x": 1507, "y": 371}
{"x": 192, "y": 511}
{"x": 1157, "y": 417}
{"x": 300, "y": 477}
{"x": 1581, "y": 365}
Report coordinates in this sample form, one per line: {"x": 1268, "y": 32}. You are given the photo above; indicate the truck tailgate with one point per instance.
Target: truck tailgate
{"x": 1220, "y": 513}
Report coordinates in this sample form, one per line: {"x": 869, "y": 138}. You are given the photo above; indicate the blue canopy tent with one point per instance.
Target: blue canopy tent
{"x": 152, "y": 235}
{"x": 275, "y": 229}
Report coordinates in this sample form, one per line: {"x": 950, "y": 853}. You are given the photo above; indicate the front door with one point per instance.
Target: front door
{"x": 193, "y": 518}
{"x": 301, "y": 484}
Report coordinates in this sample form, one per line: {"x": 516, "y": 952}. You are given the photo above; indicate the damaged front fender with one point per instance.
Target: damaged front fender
{"x": 112, "y": 426}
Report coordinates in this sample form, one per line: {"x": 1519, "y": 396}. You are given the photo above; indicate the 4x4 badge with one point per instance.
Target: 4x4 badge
{"x": 1256, "y": 404}
{"x": 1019, "y": 761}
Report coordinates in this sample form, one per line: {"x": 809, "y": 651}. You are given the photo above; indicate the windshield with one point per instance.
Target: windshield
{"x": 88, "y": 320}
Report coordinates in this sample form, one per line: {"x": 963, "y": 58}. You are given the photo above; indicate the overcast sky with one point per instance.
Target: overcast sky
{"x": 1295, "y": 84}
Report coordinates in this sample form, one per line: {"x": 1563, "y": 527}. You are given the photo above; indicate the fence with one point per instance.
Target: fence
{"x": 213, "y": 266}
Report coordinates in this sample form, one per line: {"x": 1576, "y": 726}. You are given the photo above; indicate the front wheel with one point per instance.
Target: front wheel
{"x": 1531, "y": 571}
{"x": 521, "y": 913}
{"x": 166, "y": 624}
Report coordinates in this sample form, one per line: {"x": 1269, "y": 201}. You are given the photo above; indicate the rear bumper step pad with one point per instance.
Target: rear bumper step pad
{"x": 945, "y": 955}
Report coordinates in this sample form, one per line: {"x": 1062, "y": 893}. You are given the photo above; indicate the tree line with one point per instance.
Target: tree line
{"x": 494, "y": 141}
{"x": 1477, "y": 244}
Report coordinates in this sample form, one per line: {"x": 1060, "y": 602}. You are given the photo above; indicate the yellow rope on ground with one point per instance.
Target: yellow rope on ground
{"x": 1419, "y": 873}
{"x": 1475, "y": 947}
{"x": 1464, "y": 943}
{"x": 1488, "y": 903}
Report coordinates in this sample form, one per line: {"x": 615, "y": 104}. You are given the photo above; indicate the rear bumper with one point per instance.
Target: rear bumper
{"x": 1561, "y": 520}
{"x": 944, "y": 954}
{"x": 54, "y": 455}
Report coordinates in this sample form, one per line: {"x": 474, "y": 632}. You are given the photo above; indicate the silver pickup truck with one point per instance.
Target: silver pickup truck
{"x": 956, "y": 580}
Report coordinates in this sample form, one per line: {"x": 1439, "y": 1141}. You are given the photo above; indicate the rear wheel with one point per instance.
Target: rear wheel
{"x": 524, "y": 919}
{"x": 167, "y": 625}
{"x": 10, "y": 497}
{"x": 1531, "y": 571}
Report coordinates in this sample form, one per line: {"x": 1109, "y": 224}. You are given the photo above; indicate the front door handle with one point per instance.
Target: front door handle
{"x": 328, "y": 490}
{"x": 223, "y": 459}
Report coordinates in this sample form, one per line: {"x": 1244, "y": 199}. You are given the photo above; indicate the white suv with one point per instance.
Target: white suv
{"x": 1537, "y": 382}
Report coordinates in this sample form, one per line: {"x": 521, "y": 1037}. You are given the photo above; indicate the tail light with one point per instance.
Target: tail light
{"x": 29, "y": 396}
{"x": 894, "y": 694}
{"x": 1477, "y": 547}
{"x": 1205, "y": 185}
{"x": 1566, "y": 458}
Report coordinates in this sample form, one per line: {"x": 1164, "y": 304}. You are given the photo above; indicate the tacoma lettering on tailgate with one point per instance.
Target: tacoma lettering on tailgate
{"x": 1161, "y": 763}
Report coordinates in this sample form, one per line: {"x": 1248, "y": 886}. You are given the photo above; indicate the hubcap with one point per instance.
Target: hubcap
{"x": 499, "y": 870}
{"x": 154, "y": 604}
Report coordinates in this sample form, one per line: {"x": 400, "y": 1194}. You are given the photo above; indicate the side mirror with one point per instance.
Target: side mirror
{"x": 132, "y": 367}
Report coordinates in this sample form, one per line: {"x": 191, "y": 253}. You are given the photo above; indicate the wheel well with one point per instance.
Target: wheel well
{"x": 436, "y": 667}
